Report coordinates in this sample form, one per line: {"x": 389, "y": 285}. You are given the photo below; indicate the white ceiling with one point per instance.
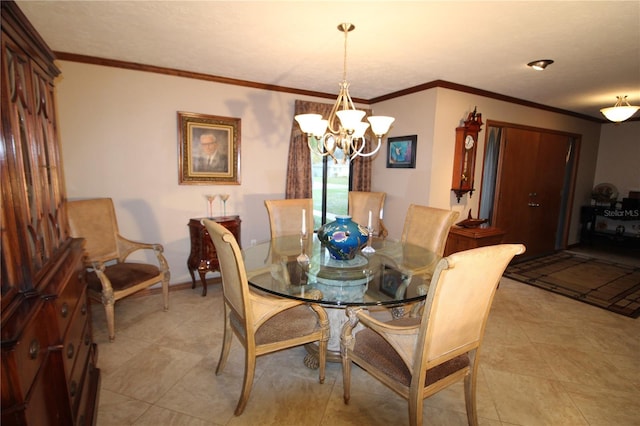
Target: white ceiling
{"x": 396, "y": 44}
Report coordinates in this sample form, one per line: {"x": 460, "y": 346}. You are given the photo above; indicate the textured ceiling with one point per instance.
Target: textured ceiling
{"x": 396, "y": 45}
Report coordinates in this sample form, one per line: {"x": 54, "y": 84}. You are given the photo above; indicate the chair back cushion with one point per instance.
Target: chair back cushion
{"x": 234, "y": 277}
{"x": 361, "y": 203}
{"x": 95, "y": 221}
{"x": 428, "y": 227}
{"x": 285, "y": 216}
{"x": 460, "y": 298}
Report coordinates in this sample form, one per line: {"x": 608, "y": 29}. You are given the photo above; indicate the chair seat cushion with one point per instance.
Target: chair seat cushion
{"x": 292, "y": 323}
{"x": 372, "y": 348}
{"x": 124, "y": 275}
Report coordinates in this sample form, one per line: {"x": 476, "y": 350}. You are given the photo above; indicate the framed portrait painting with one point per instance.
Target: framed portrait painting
{"x": 401, "y": 152}
{"x": 209, "y": 149}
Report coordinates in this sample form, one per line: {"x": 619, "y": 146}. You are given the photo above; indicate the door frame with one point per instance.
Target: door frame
{"x": 568, "y": 190}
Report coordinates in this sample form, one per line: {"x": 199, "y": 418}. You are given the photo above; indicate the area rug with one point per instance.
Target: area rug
{"x": 609, "y": 285}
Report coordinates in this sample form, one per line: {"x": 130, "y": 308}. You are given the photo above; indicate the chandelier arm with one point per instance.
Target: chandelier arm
{"x": 358, "y": 148}
{"x": 315, "y": 149}
{"x": 330, "y": 148}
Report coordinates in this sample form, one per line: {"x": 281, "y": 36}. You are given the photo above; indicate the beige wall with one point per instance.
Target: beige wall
{"x": 119, "y": 134}
{"x": 435, "y": 114}
{"x": 619, "y": 157}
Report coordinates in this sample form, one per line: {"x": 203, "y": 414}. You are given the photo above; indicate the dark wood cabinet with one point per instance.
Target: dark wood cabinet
{"x": 49, "y": 374}
{"x": 203, "y": 257}
{"x": 460, "y": 239}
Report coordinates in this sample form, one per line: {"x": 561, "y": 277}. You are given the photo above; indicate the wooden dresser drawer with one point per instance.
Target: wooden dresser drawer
{"x": 76, "y": 380}
{"x": 67, "y": 300}
{"x": 74, "y": 337}
{"x": 30, "y": 350}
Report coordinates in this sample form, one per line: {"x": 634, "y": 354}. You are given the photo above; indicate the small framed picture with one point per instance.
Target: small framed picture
{"x": 401, "y": 152}
{"x": 209, "y": 149}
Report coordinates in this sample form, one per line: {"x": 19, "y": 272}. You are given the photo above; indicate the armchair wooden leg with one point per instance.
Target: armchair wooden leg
{"x": 165, "y": 293}
{"x": 111, "y": 320}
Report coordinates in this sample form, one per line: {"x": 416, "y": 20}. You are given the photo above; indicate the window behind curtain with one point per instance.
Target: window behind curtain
{"x": 331, "y": 184}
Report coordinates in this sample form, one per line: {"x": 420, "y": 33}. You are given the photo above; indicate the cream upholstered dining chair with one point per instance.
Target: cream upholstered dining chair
{"x": 285, "y": 216}
{"x": 361, "y": 203}
{"x": 263, "y": 324}
{"x": 111, "y": 277}
{"x": 428, "y": 227}
{"x": 418, "y": 357}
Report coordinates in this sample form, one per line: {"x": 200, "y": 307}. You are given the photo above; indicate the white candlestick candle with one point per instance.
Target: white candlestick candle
{"x": 369, "y": 225}
{"x": 304, "y": 221}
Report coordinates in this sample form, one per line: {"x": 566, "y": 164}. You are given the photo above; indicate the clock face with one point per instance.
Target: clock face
{"x": 468, "y": 142}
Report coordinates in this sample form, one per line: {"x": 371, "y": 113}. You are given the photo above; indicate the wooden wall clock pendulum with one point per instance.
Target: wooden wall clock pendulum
{"x": 464, "y": 159}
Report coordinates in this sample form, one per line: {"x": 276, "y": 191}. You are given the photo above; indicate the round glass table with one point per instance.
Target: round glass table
{"x": 392, "y": 276}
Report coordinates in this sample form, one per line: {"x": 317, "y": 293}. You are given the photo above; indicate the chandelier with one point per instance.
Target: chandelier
{"x": 347, "y": 132}
{"x": 619, "y": 112}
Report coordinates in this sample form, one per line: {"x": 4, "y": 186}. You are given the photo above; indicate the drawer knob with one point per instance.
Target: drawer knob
{"x": 70, "y": 350}
{"x": 64, "y": 310}
{"x": 34, "y": 349}
{"x": 73, "y": 388}
{"x": 84, "y": 309}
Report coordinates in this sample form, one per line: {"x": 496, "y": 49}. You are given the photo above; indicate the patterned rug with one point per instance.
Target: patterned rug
{"x": 608, "y": 285}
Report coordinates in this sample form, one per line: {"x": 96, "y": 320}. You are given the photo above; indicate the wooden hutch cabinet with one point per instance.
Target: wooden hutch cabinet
{"x": 202, "y": 256}
{"x": 49, "y": 374}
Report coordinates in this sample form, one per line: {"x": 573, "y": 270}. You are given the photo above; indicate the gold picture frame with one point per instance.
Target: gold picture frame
{"x": 209, "y": 149}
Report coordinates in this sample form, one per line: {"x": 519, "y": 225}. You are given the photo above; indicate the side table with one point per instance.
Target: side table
{"x": 203, "y": 257}
{"x": 461, "y": 239}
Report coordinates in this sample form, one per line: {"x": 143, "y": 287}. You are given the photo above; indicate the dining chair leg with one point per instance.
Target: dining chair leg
{"x": 249, "y": 371}
{"x": 415, "y": 411}
{"x": 470, "y": 390}
{"x": 226, "y": 342}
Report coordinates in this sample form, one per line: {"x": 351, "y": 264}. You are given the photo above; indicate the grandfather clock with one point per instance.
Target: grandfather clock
{"x": 464, "y": 159}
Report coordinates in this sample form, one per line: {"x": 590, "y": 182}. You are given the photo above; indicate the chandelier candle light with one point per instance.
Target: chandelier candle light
{"x": 324, "y": 137}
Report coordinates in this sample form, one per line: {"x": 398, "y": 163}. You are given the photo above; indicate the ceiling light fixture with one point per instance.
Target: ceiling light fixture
{"x": 540, "y": 64}
{"x": 619, "y": 112}
{"x": 324, "y": 137}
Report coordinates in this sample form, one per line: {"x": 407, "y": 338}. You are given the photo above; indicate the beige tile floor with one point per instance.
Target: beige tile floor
{"x": 546, "y": 360}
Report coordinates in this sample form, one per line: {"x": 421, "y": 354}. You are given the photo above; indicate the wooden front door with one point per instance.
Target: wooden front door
{"x": 531, "y": 177}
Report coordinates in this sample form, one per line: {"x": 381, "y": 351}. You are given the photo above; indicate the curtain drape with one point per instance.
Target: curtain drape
{"x": 490, "y": 172}
{"x": 298, "y": 180}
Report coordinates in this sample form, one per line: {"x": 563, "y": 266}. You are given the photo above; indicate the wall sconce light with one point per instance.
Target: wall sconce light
{"x": 540, "y": 64}
{"x": 619, "y": 112}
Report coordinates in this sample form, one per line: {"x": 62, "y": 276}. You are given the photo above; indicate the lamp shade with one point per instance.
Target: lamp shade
{"x": 619, "y": 113}
{"x": 308, "y": 122}
{"x": 361, "y": 127}
{"x": 380, "y": 124}
{"x": 349, "y": 118}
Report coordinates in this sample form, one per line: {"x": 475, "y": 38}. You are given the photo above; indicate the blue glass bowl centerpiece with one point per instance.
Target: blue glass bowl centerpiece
{"x": 343, "y": 237}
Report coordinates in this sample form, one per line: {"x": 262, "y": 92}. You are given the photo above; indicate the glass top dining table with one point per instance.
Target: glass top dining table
{"x": 395, "y": 274}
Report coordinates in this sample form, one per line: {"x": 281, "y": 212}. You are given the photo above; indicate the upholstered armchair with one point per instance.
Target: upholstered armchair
{"x": 418, "y": 357}
{"x": 263, "y": 324}
{"x": 361, "y": 203}
{"x": 110, "y": 277}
